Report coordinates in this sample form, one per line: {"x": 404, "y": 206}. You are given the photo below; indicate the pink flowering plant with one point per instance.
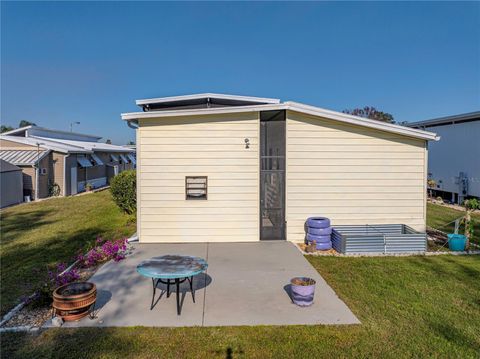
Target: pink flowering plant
{"x": 58, "y": 275}
{"x": 104, "y": 251}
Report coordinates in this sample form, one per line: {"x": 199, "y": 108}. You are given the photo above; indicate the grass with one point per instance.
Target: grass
{"x": 38, "y": 234}
{"x": 438, "y": 216}
{"x": 409, "y": 307}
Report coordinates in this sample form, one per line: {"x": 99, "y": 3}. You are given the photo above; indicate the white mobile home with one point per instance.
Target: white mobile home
{"x": 233, "y": 168}
{"x": 453, "y": 162}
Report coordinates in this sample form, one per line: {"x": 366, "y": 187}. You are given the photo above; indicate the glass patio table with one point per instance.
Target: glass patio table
{"x": 172, "y": 269}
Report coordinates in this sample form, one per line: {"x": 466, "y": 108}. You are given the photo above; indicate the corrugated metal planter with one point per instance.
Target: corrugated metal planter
{"x": 378, "y": 238}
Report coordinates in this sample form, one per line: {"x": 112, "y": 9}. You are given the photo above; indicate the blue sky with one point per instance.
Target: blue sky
{"x": 88, "y": 62}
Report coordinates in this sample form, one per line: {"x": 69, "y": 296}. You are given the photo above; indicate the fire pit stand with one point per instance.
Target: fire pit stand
{"x": 74, "y": 301}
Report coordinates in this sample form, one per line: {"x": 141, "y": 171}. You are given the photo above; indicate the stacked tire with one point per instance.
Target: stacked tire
{"x": 320, "y": 231}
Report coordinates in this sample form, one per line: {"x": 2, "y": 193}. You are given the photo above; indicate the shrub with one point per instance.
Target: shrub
{"x": 124, "y": 191}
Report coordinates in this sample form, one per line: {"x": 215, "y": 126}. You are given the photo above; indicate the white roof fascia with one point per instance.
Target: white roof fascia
{"x": 206, "y": 95}
{"x": 360, "y": 121}
{"x": 17, "y": 130}
{"x": 293, "y": 106}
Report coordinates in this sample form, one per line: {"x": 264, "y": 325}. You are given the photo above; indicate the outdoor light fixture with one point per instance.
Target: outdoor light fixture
{"x": 73, "y": 123}
{"x": 247, "y": 143}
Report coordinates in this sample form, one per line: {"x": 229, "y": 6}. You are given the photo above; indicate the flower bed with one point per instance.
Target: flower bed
{"x": 37, "y": 308}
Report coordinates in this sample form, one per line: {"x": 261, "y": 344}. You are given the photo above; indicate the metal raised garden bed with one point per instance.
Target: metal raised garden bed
{"x": 378, "y": 238}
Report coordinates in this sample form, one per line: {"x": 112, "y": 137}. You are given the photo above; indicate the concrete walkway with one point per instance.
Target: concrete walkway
{"x": 246, "y": 284}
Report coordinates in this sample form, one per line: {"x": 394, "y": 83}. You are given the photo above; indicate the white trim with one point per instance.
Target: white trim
{"x": 206, "y": 95}
{"x": 65, "y": 175}
{"x": 292, "y": 106}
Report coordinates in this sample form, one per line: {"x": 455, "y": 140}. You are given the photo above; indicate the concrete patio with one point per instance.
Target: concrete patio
{"x": 246, "y": 284}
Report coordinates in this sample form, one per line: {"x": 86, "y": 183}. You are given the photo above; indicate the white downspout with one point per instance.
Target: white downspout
{"x": 37, "y": 173}
{"x": 65, "y": 175}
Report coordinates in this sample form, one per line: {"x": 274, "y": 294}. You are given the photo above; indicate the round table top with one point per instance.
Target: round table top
{"x": 172, "y": 266}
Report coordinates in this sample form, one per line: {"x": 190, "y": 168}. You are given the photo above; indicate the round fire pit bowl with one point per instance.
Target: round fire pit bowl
{"x": 74, "y": 301}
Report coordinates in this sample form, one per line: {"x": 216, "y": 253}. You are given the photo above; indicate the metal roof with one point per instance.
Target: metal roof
{"x": 46, "y": 143}
{"x": 208, "y": 95}
{"x": 22, "y": 157}
{"x": 23, "y": 129}
{"x": 449, "y": 120}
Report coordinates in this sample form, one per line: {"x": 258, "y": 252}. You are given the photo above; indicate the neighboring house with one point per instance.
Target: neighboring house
{"x": 453, "y": 163}
{"x": 215, "y": 168}
{"x": 11, "y": 183}
{"x": 61, "y": 161}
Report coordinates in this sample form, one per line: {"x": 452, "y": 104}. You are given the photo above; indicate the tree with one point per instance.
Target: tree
{"x": 4, "y": 128}
{"x": 131, "y": 143}
{"x": 108, "y": 142}
{"x": 24, "y": 123}
{"x": 371, "y": 113}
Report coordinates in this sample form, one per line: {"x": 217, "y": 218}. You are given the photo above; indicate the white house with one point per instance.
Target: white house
{"x": 217, "y": 167}
{"x": 454, "y": 162}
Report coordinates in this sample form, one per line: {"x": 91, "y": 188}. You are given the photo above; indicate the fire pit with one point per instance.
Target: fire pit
{"x": 74, "y": 301}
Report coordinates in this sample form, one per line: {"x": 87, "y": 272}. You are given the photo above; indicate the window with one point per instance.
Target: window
{"x": 43, "y": 171}
{"x": 196, "y": 187}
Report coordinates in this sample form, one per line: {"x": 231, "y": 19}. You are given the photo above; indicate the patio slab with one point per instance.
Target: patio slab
{"x": 246, "y": 284}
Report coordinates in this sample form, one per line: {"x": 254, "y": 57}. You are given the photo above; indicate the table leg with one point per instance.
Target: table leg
{"x": 168, "y": 288}
{"x": 191, "y": 288}
{"x": 177, "y": 283}
{"x": 154, "y": 290}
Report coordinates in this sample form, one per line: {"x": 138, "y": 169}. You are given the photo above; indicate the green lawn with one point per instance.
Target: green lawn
{"x": 409, "y": 307}
{"x": 38, "y": 234}
{"x": 438, "y": 216}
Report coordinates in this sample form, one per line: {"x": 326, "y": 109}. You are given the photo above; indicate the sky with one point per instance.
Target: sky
{"x": 63, "y": 62}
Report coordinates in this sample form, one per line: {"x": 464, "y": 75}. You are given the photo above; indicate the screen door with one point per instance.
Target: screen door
{"x": 272, "y": 175}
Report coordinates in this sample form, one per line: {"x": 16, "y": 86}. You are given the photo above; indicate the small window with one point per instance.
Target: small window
{"x": 43, "y": 171}
{"x": 196, "y": 187}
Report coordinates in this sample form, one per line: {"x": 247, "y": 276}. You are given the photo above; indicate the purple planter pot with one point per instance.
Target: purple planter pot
{"x": 302, "y": 295}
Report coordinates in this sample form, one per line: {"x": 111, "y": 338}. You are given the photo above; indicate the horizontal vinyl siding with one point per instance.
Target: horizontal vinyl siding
{"x": 170, "y": 149}
{"x": 352, "y": 175}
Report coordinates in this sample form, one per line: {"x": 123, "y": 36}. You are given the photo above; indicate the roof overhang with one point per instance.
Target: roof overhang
{"x": 291, "y": 106}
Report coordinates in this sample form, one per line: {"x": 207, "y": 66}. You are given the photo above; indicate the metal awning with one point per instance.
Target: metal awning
{"x": 97, "y": 159}
{"x": 83, "y": 161}
{"x": 124, "y": 159}
{"x": 21, "y": 157}
{"x": 114, "y": 157}
{"x": 132, "y": 158}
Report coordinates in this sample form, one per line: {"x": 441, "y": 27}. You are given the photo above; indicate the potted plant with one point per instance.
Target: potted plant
{"x": 88, "y": 187}
{"x": 302, "y": 291}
